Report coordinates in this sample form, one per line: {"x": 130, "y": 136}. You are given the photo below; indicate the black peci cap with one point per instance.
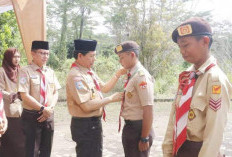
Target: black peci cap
{"x": 40, "y": 45}
{"x": 126, "y": 46}
{"x": 195, "y": 26}
{"x": 84, "y": 46}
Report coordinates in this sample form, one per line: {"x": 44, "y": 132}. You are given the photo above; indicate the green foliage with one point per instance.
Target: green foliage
{"x": 9, "y": 33}
{"x": 106, "y": 68}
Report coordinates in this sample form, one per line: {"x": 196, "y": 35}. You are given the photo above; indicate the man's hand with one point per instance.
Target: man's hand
{"x": 45, "y": 114}
{"x": 143, "y": 146}
{"x": 121, "y": 72}
{"x": 3, "y": 126}
{"x": 116, "y": 97}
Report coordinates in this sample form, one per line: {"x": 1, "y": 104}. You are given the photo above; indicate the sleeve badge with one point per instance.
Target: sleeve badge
{"x": 143, "y": 85}
{"x": 79, "y": 85}
{"x": 216, "y": 89}
{"x": 23, "y": 80}
{"x": 215, "y": 104}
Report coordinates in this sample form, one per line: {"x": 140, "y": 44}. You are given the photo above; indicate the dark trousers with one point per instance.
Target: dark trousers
{"x": 13, "y": 141}
{"x": 87, "y": 133}
{"x": 38, "y": 135}
{"x": 130, "y": 139}
{"x": 189, "y": 149}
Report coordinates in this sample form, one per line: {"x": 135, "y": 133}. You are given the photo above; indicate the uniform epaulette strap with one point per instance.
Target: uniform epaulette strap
{"x": 215, "y": 77}
{"x": 141, "y": 72}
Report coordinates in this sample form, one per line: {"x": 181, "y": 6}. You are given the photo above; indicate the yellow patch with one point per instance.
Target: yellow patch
{"x": 216, "y": 89}
{"x": 119, "y": 48}
{"x": 129, "y": 95}
{"x": 185, "y": 30}
{"x": 191, "y": 114}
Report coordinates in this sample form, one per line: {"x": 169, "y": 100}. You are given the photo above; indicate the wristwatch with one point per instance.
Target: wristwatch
{"x": 41, "y": 109}
{"x": 144, "y": 139}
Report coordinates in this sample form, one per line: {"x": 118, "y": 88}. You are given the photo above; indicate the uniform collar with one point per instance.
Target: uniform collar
{"x": 84, "y": 69}
{"x": 135, "y": 68}
{"x": 35, "y": 67}
{"x": 203, "y": 67}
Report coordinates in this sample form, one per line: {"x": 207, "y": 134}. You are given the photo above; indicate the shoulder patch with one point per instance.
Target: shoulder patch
{"x": 216, "y": 89}
{"x": 23, "y": 80}
{"x": 143, "y": 85}
{"x": 79, "y": 85}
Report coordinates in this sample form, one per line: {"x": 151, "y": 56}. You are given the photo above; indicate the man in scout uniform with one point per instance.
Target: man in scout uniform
{"x": 199, "y": 112}
{"x": 85, "y": 100}
{"x": 137, "y": 104}
{"x": 38, "y": 87}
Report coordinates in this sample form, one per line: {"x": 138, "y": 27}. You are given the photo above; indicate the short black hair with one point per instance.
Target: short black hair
{"x": 201, "y": 36}
{"x": 75, "y": 53}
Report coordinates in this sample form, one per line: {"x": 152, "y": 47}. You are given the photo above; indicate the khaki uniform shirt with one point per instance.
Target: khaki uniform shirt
{"x": 206, "y": 122}
{"x": 139, "y": 92}
{"x": 8, "y": 87}
{"x": 80, "y": 88}
{"x": 29, "y": 81}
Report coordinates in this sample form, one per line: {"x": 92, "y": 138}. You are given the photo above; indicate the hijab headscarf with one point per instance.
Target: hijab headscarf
{"x": 7, "y": 64}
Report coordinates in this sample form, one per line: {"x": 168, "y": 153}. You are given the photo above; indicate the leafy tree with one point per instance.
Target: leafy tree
{"x": 9, "y": 34}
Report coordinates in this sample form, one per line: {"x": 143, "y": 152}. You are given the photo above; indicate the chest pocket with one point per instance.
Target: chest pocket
{"x": 130, "y": 95}
{"x": 35, "y": 80}
{"x": 51, "y": 83}
{"x": 199, "y": 104}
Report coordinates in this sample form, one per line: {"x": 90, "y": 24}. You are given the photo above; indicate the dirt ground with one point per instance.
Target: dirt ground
{"x": 63, "y": 146}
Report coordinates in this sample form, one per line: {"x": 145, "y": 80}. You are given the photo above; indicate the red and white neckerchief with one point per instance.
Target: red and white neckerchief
{"x": 73, "y": 65}
{"x": 99, "y": 91}
{"x": 187, "y": 80}
{"x": 123, "y": 100}
{"x": 1, "y": 107}
{"x": 43, "y": 88}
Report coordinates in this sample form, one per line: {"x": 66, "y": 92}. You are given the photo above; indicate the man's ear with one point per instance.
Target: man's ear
{"x": 79, "y": 55}
{"x": 206, "y": 40}
{"x": 133, "y": 54}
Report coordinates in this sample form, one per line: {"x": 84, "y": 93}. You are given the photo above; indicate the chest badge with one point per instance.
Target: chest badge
{"x": 191, "y": 114}
{"x": 129, "y": 95}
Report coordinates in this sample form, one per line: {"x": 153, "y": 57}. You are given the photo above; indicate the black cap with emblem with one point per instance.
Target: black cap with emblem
{"x": 39, "y": 45}
{"x": 127, "y": 46}
{"x": 195, "y": 26}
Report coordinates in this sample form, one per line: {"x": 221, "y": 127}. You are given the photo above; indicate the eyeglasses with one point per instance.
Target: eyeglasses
{"x": 43, "y": 53}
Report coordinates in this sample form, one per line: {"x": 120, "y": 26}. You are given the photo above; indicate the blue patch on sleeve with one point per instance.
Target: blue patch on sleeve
{"x": 79, "y": 85}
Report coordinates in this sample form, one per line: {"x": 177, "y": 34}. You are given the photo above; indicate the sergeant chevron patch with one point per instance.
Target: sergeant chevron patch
{"x": 215, "y": 104}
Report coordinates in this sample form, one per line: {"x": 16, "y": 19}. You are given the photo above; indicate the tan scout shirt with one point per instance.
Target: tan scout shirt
{"x": 139, "y": 92}
{"x": 29, "y": 81}
{"x": 80, "y": 88}
{"x": 8, "y": 87}
{"x": 205, "y": 122}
